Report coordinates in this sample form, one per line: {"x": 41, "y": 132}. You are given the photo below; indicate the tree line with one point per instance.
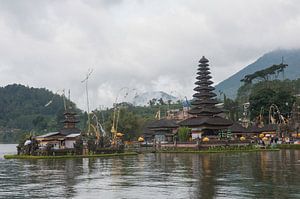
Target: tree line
{"x": 23, "y": 110}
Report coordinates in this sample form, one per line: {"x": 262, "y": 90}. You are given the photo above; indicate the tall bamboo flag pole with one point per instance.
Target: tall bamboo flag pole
{"x": 87, "y": 97}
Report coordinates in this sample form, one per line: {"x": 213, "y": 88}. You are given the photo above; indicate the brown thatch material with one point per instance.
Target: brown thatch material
{"x": 162, "y": 123}
{"x": 206, "y": 121}
{"x": 200, "y": 88}
{"x": 204, "y": 102}
{"x": 70, "y": 117}
{"x": 237, "y": 128}
{"x": 270, "y": 128}
{"x": 204, "y": 105}
{"x": 205, "y": 95}
{"x": 204, "y": 111}
{"x": 266, "y": 128}
{"x": 147, "y": 133}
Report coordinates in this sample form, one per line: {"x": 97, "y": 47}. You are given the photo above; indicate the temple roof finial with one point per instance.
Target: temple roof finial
{"x": 203, "y": 60}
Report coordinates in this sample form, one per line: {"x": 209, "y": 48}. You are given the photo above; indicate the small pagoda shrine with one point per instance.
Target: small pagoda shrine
{"x": 206, "y": 119}
{"x": 70, "y": 122}
{"x": 66, "y": 137}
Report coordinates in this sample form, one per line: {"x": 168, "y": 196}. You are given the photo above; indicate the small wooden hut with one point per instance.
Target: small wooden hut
{"x": 163, "y": 130}
{"x": 64, "y": 138}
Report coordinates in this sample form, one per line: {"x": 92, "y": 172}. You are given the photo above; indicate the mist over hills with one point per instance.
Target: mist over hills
{"x": 290, "y": 56}
{"x": 144, "y": 98}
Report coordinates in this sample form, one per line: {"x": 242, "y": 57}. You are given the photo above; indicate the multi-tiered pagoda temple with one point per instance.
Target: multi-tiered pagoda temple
{"x": 70, "y": 122}
{"x": 205, "y": 120}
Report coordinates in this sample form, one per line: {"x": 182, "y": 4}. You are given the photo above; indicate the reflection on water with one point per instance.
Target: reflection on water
{"x": 237, "y": 175}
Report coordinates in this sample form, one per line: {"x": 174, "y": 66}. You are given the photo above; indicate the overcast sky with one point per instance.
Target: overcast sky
{"x": 148, "y": 45}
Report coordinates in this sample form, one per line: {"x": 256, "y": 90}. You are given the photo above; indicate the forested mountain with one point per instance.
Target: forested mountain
{"x": 23, "y": 109}
{"x": 291, "y": 57}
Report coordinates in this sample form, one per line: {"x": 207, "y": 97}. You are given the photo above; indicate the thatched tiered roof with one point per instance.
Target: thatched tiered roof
{"x": 204, "y": 111}
{"x": 70, "y": 122}
{"x": 214, "y": 122}
{"x": 266, "y": 128}
{"x": 204, "y": 105}
{"x": 237, "y": 128}
{"x": 70, "y": 117}
{"x": 162, "y": 124}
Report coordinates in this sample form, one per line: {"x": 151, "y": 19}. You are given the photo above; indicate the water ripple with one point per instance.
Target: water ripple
{"x": 267, "y": 175}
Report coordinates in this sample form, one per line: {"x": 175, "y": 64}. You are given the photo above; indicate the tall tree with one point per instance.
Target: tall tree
{"x": 265, "y": 74}
{"x": 261, "y": 101}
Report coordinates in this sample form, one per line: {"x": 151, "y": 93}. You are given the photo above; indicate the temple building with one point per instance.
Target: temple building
{"x": 206, "y": 119}
{"x": 65, "y": 138}
{"x": 70, "y": 122}
{"x": 162, "y": 130}
{"x": 238, "y": 130}
{"x": 177, "y": 114}
{"x": 295, "y": 119}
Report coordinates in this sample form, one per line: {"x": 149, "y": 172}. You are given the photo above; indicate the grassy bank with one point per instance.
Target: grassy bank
{"x": 67, "y": 156}
{"x": 219, "y": 151}
{"x": 289, "y": 146}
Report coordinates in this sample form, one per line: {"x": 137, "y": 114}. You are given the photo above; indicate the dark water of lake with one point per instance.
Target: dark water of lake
{"x": 236, "y": 175}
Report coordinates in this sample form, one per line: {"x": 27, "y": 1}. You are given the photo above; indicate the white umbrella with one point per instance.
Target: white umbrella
{"x": 27, "y": 142}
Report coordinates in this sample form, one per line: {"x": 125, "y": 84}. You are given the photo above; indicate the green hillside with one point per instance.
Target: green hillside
{"x": 291, "y": 57}
{"x": 22, "y": 109}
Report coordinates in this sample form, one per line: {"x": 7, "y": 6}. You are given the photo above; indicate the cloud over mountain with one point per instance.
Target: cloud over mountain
{"x": 146, "y": 45}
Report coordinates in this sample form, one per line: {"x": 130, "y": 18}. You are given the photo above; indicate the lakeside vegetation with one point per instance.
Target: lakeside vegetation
{"x": 220, "y": 149}
{"x": 183, "y": 150}
{"x": 23, "y": 110}
{"x": 261, "y": 96}
{"x": 289, "y": 146}
{"x": 213, "y": 149}
{"x": 68, "y": 156}
{"x": 132, "y": 119}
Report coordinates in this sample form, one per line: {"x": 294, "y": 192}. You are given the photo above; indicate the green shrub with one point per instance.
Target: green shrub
{"x": 184, "y": 134}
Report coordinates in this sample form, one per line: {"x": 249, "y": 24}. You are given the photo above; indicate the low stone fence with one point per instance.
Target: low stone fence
{"x": 54, "y": 152}
{"x": 63, "y": 152}
{"x": 224, "y": 143}
{"x": 202, "y": 145}
{"x": 194, "y": 145}
{"x": 108, "y": 151}
{"x": 179, "y": 145}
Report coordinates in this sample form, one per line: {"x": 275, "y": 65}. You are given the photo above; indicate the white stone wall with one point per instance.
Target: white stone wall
{"x": 69, "y": 144}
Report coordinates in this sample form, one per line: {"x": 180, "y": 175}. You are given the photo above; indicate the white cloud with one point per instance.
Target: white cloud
{"x": 147, "y": 45}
